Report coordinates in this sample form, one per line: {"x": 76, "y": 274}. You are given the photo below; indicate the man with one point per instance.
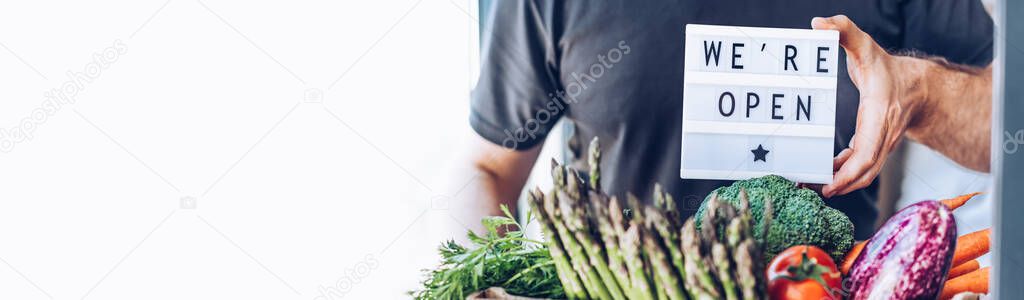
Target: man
{"x": 615, "y": 69}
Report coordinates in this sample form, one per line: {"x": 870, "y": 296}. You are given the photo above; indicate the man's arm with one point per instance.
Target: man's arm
{"x": 493, "y": 175}
{"x": 957, "y": 113}
{"x": 943, "y": 106}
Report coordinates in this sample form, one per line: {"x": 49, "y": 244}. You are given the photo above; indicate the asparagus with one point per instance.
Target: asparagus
{"x": 570, "y": 199}
{"x": 602, "y": 251}
{"x": 769, "y": 211}
{"x": 676, "y": 216}
{"x": 735, "y": 232}
{"x": 606, "y": 226}
{"x": 573, "y": 214}
{"x": 636, "y": 217}
{"x": 633, "y": 259}
{"x": 670, "y": 237}
{"x": 574, "y": 288}
{"x": 580, "y": 262}
{"x": 659, "y": 198}
{"x": 663, "y": 270}
{"x": 698, "y": 279}
{"x": 722, "y": 261}
{"x": 708, "y": 229}
{"x": 661, "y": 294}
{"x": 747, "y": 272}
{"x": 618, "y": 221}
{"x": 664, "y": 202}
{"x": 739, "y": 227}
{"x": 610, "y": 239}
{"x": 594, "y": 160}
{"x": 708, "y": 234}
{"x": 746, "y": 251}
{"x": 757, "y": 249}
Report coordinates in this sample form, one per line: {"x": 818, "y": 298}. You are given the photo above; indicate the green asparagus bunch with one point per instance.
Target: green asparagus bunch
{"x": 605, "y": 249}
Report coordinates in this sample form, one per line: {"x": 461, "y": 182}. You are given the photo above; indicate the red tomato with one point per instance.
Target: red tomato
{"x": 804, "y": 272}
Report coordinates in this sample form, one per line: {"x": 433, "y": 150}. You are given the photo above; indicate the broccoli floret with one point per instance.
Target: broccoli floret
{"x": 799, "y": 217}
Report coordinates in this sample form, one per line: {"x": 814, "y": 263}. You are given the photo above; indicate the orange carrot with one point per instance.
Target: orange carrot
{"x": 964, "y": 268}
{"x": 852, "y": 256}
{"x": 975, "y": 282}
{"x": 958, "y": 201}
{"x": 971, "y": 246}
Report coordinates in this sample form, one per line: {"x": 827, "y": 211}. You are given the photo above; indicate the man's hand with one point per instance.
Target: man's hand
{"x": 891, "y": 93}
{"x": 944, "y": 106}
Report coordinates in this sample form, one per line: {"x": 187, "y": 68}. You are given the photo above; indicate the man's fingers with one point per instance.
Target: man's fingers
{"x": 849, "y": 173}
{"x": 864, "y": 155}
{"x": 841, "y": 159}
{"x": 864, "y": 180}
{"x": 839, "y": 182}
{"x": 857, "y": 43}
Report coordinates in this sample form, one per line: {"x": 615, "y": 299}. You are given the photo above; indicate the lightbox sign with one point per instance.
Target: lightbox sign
{"x": 759, "y": 101}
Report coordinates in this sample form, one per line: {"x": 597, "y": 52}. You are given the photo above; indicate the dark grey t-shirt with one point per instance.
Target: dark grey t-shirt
{"x": 615, "y": 69}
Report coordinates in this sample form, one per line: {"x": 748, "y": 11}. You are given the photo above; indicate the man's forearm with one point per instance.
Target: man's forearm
{"x": 955, "y": 111}
{"x": 482, "y": 196}
{"x": 488, "y": 177}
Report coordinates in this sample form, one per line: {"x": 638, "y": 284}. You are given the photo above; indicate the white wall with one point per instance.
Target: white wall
{"x": 207, "y": 102}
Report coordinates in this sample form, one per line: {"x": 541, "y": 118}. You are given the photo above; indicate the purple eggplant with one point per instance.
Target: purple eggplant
{"x": 909, "y": 257}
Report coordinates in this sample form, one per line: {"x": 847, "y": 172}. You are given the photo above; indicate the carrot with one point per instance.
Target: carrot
{"x": 975, "y": 282}
{"x": 964, "y": 268}
{"x": 958, "y": 201}
{"x": 852, "y": 256}
{"x": 971, "y": 246}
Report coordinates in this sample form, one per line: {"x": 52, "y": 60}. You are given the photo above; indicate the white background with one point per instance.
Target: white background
{"x": 207, "y": 103}
{"x": 288, "y": 196}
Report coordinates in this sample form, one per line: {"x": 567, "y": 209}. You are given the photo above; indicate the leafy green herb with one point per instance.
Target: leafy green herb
{"x": 509, "y": 260}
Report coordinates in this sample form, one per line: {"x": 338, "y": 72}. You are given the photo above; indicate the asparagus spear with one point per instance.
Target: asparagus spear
{"x": 580, "y": 261}
{"x": 632, "y": 256}
{"x": 708, "y": 234}
{"x": 573, "y": 214}
{"x": 769, "y": 212}
{"x": 659, "y": 198}
{"x": 618, "y": 221}
{"x": 636, "y": 220}
{"x": 670, "y": 237}
{"x": 708, "y": 228}
{"x": 609, "y": 233}
{"x": 746, "y": 269}
{"x": 758, "y": 248}
{"x": 594, "y": 160}
{"x": 722, "y": 261}
{"x": 611, "y": 241}
{"x": 735, "y": 232}
{"x": 746, "y": 251}
{"x": 675, "y": 215}
{"x": 570, "y": 280}
{"x": 664, "y": 202}
{"x": 698, "y": 279}
{"x": 633, "y": 259}
{"x": 739, "y": 227}
{"x": 663, "y": 270}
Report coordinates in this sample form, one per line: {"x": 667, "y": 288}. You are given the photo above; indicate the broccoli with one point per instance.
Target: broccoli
{"x": 799, "y": 216}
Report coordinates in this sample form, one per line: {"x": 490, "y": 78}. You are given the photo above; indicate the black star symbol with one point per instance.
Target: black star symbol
{"x": 760, "y": 153}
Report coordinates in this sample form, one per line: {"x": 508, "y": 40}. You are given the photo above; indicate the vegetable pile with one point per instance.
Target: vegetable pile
{"x": 602, "y": 251}
{"x": 598, "y": 247}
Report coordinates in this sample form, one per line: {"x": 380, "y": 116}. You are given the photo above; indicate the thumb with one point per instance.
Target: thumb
{"x": 856, "y": 42}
